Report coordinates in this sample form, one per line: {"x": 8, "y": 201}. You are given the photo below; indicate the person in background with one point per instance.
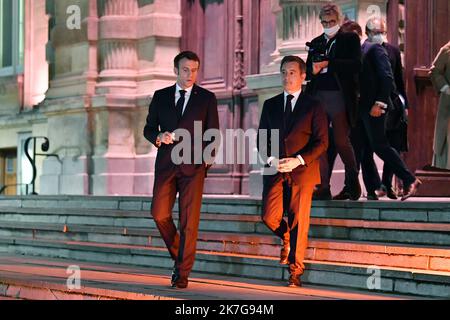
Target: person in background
{"x": 333, "y": 65}
{"x": 440, "y": 76}
{"x": 376, "y": 87}
{"x": 397, "y": 132}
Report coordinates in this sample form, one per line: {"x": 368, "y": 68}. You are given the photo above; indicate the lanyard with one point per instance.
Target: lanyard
{"x": 330, "y": 47}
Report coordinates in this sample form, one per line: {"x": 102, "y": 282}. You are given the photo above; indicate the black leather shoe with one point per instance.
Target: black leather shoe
{"x": 322, "y": 194}
{"x": 175, "y": 275}
{"x": 391, "y": 194}
{"x": 343, "y": 195}
{"x": 284, "y": 255}
{"x": 180, "y": 283}
{"x": 294, "y": 281}
{"x": 372, "y": 196}
{"x": 355, "y": 191}
{"x": 411, "y": 190}
{"x": 385, "y": 191}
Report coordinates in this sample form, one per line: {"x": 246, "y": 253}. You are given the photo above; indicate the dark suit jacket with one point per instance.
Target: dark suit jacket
{"x": 376, "y": 80}
{"x": 202, "y": 106}
{"x": 345, "y": 65}
{"x": 305, "y": 135}
{"x": 397, "y": 68}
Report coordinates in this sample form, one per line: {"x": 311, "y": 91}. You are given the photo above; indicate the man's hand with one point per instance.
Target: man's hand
{"x": 377, "y": 110}
{"x": 288, "y": 164}
{"x": 274, "y": 162}
{"x": 165, "y": 138}
{"x": 447, "y": 91}
{"x": 318, "y": 66}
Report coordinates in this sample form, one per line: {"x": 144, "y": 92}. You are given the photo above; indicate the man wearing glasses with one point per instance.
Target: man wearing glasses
{"x": 333, "y": 65}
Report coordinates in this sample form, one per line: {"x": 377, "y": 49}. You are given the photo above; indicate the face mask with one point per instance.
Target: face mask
{"x": 331, "y": 31}
{"x": 378, "y": 38}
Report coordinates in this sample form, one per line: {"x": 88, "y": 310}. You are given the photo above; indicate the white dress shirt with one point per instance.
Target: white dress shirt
{"x": 293, "y": 102}
{"x": 187, "y": 95}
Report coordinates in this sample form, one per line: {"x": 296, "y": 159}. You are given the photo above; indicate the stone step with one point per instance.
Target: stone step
{"x": 425, "y": 233}
{"x": 369, "y": 214}
{"x": 435, "y": 210}
{"x": 349, "y": 275}
{"x": 386, "y": 254}
{"x": 44, "y": 278}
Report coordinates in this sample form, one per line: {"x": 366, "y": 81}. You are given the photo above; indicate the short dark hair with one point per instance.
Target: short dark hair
{"x": 301, "y": 63}
{"x": 330, "y": 9}
{"x": 351, "y": 26}
{"x": 185, "y": 54}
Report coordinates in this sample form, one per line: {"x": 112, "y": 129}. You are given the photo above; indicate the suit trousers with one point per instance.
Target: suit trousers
{"x": 182, "y": 244}
{"x": 364, "y": 157}
{"x": 394, "y": 138}
{"x": 339, "y": 134}
{"x": 376, "y": 132}
{"x": 298, "y": 207}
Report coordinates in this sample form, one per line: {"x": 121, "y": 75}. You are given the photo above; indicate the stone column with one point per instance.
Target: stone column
{"x": 72, "y": 56}
{"x": 103, "y": 75}
{"x": 159, "y": 34}
{"x": 297, "y": 23}
{"x": 35, "y": 64}
{"x": 114, "y": 102}
{"x": 136, "y": 49}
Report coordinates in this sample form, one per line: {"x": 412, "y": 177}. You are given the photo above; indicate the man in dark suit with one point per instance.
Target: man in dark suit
{"x": 396, "y": 129}
{"x": 396, "y": 126}
{"x": 396, "y": 132}
{"x": 292, "y": 174}
{"x": 333, "y": 66}
{"x": 376, "y": 84}
{"x": 173, "y": 112}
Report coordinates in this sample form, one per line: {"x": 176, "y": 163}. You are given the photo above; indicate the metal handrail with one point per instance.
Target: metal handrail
{"x": 44, "y": 147}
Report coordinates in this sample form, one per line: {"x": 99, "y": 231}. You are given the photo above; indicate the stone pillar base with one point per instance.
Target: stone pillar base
{"x": 255, "y": 183}
{"x": 118, "y": 175}
{"x": 70, "y": 176}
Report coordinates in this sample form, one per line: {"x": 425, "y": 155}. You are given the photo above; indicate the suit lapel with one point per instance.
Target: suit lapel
{"x": 171, "y": 97}
{"x": 298, "y": 110}
{"x": 279, "y": 112}
{"x": 192, "y": 102}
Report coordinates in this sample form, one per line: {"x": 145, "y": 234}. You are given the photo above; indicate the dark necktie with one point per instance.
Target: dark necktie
{"x": 180, "y": 104}
{"x": 288, "y": 109}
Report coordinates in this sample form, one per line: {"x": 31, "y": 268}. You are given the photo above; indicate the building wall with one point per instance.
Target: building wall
{"x": 22, "y": 87}
{"x": 87, "y": 88}
{"x": 102, "y": 77}
{"x": 427, "y": 30}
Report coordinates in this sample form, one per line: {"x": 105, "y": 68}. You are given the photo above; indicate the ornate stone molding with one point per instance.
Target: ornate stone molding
{"x": 238, "y": 74}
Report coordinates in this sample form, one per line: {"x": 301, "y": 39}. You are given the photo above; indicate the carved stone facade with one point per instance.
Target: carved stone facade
{"x": 88, "y": 88}
{"x": 103, "y": 76}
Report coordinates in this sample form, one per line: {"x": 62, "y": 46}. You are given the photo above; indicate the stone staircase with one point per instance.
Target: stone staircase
{"x": 407, "y": 243}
